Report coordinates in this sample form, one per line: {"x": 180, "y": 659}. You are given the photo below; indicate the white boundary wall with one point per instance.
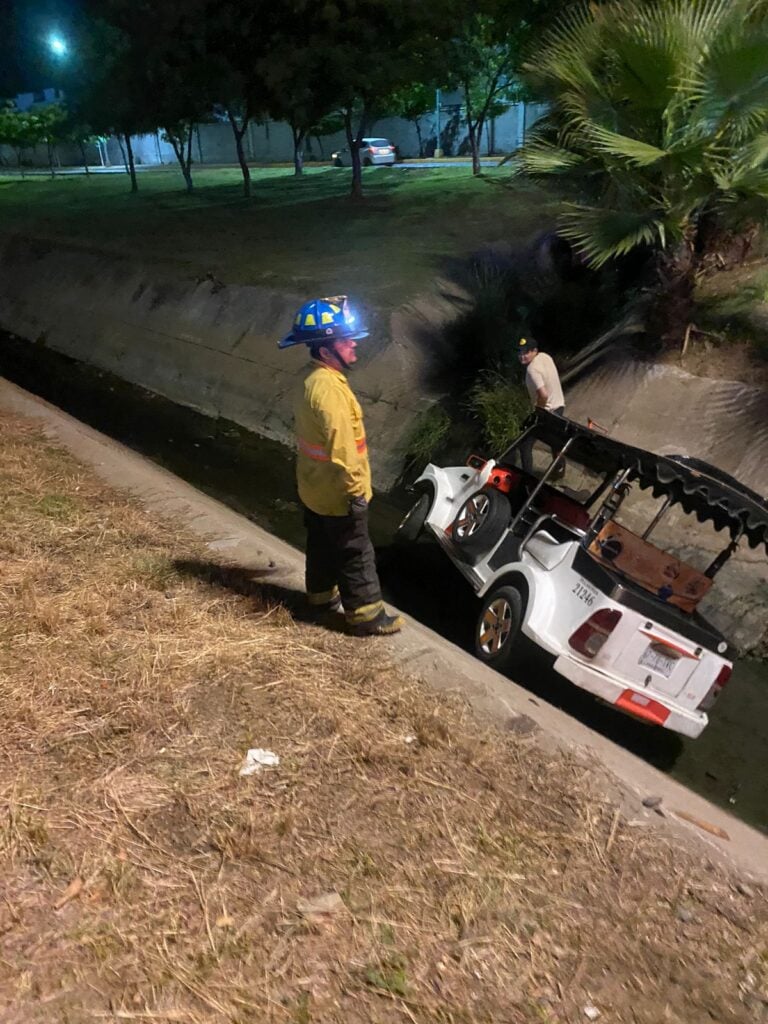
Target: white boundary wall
{"x": 272, "y": 141}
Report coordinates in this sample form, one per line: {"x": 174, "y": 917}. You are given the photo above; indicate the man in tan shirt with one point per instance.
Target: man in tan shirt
{"x": 541, "y": 377}
{"x": 543, "y": 383}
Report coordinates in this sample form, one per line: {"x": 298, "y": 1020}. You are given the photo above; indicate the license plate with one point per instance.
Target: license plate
{"x": 653, "y": 659}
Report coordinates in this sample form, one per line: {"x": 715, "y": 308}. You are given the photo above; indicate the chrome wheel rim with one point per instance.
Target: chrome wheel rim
{"x": 495, "y": 627}
{"x": 471, "y": 516}
{"x": 410, "y": 513}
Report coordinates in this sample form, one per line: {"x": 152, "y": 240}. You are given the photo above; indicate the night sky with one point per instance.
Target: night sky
{"x": 25, "y": 62}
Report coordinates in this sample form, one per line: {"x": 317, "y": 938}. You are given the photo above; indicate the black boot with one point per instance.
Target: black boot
{"x": 382, "y": 625}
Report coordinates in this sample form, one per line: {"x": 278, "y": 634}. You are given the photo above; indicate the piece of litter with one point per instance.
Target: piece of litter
{"x": 591, "y": 1012}
{"x": 321, "y": 908}
{"x": 409, "y": 739}
{"x": 257, "y": 759}
{"x": 652, "y": 801}
{"x": 706, "y": 826}
{"x": 72, "y": 891}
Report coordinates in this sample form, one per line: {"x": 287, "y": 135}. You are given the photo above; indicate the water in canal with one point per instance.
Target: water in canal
{"x": 727, "y": 763}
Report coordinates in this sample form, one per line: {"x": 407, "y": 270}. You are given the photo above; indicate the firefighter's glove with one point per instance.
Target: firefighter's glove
{"x": 358, "y": 506}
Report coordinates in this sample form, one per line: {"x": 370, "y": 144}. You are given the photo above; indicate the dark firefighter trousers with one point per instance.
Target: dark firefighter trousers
{"x": 341, "y": 563}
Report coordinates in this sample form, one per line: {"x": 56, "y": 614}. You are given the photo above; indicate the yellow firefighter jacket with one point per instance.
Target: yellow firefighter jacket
{"x": 332, "y": 464}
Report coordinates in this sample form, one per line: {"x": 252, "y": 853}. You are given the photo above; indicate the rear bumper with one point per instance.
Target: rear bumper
{"x": 633, "y": 702}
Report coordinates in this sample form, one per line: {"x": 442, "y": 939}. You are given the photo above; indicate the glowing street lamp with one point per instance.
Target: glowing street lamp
{"x": 57, "y": 46}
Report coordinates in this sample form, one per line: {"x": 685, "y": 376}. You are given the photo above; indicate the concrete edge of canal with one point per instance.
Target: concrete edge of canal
{"x": 420, "y": 651}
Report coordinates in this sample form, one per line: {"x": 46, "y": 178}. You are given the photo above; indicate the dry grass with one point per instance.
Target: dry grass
{"x": 144, "y": 880}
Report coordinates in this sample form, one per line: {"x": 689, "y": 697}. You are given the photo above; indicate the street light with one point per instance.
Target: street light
{"x": 57, "y": 46}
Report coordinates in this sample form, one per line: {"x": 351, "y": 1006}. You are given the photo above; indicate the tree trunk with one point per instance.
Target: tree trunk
{"x": 472, "y": 128}
{"x": 476, "y": 168}
{"x": 131, "y": 165}
{"x": 81, "y": 144}
{"x": 123, "y": 154}
{"x": 19, "y": 155}
{"x": 353, "y": 141}
{"x": 50, "y": 160}
{"x": 185, "y": 159}
{"x": 676, "y": 275}
{"x": 298, "y": 154}
{"x": 417, "y": 125}
{"x": 239, "y": 134}
{"x": 188, "y": 174}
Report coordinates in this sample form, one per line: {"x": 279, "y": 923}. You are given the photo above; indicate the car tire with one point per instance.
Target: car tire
{"x": 412, "y": 524}
{"x": 497, "y": 633}
{"x": 481, "y": 521}
{"x": 367, "y": 162}
{"x": 338, "y": 163}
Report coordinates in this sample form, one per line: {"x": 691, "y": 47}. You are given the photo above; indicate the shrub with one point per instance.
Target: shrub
{"x": 429, "y": 430}
{"x": 501, "y": 406}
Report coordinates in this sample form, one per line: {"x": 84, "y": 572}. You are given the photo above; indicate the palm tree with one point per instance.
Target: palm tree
{"x": 659, "y": 119}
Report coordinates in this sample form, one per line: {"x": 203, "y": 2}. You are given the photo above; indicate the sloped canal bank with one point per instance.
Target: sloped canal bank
{"x": 255, "y": 477}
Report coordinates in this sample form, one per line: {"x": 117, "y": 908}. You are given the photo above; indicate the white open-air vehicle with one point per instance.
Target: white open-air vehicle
{"x": 547, "y": 554}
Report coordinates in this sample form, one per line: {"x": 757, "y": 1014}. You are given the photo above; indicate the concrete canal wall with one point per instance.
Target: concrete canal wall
{"x": 212, "y": 347}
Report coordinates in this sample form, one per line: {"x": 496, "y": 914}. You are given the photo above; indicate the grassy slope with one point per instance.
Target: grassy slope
{"x": 302, "y": 233}
{"x": 480, "y": 879}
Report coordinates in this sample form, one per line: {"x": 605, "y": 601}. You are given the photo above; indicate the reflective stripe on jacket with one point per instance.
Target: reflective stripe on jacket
{"x": 332, "y": 462}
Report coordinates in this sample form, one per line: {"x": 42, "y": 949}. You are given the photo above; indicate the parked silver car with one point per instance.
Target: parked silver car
{"x": 372, "y": 151}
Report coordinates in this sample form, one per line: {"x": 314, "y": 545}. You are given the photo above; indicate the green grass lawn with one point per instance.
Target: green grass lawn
{"x": 303, "y": 233}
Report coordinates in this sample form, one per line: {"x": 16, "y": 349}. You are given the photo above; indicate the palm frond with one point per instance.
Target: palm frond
{"x": 637, "y": 152}
{"x": 660, "y": 111}
{"x": 537, "y": 158}
{"x": 602, "y": 235}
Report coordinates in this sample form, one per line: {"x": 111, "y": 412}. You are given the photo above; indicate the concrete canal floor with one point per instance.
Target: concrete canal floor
{"x": 255, "y": 477}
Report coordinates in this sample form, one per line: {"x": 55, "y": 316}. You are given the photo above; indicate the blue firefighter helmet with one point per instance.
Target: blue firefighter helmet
{"x": 324, "y": 320}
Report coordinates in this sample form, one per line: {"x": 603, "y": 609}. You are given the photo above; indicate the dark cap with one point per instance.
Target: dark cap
{"x": 526, "y": 345}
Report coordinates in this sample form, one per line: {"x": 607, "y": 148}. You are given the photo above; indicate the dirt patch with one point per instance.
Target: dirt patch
{"x": 720, "y": 359}
{"x": 401, "y": 863}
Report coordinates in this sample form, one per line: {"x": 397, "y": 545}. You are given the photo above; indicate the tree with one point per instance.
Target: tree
{"x": 164, "y": 69}
{"x": 412, "y": 103}
{"x": 659, "y": 122}
{"x": 78, "y": 133}
{"x": 236, "y": 39}
{"x": 369, "y": 49}
{"x": 329, "y": 124}
{"x": 103, "y": 87}
{"x": 298, "y": 87}
{"x": 49, "y": 124}
{"x": 19, "y": 130}
{"x": 485, "y": 53}
{"x": 484, "y": 62}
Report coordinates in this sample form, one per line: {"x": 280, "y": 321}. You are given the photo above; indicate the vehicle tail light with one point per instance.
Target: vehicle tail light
{"x": 592, "y": 634}
{"x": 714, "y": 691}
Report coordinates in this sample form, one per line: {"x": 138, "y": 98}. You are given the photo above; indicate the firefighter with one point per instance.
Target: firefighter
{"x": 333, "y": 474}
